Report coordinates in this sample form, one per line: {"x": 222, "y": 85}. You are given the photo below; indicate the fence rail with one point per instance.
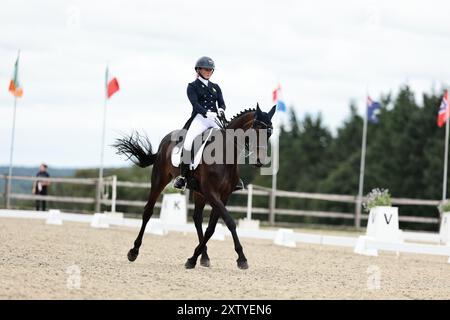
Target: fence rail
{"x": 20, "y": 196}
{"x": 88, "y": 181}
{"x": 109, "y": 199}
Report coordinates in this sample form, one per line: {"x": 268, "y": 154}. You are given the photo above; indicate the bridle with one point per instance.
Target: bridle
{"x": 247, "y": 146}
{"x": 264, "y": 125}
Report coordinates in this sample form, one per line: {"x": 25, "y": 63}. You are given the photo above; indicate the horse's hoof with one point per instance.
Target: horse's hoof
{"x": 242, "y": 264}
{"x": 204, "y": 262}
{"x": 189, "y": 264}
{"x": 132, "y": 255}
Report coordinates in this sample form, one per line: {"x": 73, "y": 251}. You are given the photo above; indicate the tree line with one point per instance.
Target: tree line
{"x": 405, "y": 154}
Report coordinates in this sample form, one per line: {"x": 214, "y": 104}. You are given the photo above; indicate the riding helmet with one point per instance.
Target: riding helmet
{"x": 205, "y": 62}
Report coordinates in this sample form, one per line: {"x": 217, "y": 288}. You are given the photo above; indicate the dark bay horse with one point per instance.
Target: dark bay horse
{"x": 216, "y": 181}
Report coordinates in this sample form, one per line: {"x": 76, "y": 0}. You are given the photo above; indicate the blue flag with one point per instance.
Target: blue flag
{"x": 281, "y": 106}
{"x": 372, "y": 110}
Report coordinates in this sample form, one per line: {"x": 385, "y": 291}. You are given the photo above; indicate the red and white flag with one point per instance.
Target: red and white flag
{"x": 443, "y": 110}
{"x": 112, "y": 85}
{"x": 276, "y": 98}
{"x": 276, "y": 94}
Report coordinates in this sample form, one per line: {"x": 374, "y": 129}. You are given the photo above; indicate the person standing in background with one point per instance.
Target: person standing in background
{"x": 40, "y": 187}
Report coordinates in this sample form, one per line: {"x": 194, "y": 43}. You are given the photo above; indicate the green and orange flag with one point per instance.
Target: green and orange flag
{"x": 14, "y": 85}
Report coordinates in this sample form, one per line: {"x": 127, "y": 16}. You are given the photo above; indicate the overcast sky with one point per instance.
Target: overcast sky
{"x": 323, "y": 53}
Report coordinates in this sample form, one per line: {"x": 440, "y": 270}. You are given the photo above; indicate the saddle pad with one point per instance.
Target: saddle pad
{"x": 176, "y": 151}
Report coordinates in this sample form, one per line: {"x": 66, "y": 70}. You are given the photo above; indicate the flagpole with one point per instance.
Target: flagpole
{"x": 361, "y": 170}
{"x": 8, "y": 186}
{"x": 8, "y": 203}
{"x": 100, "y": 174}
{"x": 275, "y": 153}
{"x": 444, "y": 183}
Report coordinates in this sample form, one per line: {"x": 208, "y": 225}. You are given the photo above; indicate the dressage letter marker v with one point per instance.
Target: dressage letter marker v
{"x": 385, "y": 218}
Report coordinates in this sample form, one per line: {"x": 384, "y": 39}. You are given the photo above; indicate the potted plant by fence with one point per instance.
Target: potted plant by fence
{"x": 444, "y": 229}
{"x": 382, "y": 223}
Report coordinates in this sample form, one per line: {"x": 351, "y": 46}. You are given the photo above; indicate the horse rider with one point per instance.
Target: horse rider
{"x": 208, "y": 105}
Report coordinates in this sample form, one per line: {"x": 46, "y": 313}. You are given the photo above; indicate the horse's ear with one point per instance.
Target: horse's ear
{"x": 272, "y": 111}
{"x": 257, "y": 107}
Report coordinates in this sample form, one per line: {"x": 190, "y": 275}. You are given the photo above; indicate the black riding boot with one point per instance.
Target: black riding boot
{"x": 181, "y": 181}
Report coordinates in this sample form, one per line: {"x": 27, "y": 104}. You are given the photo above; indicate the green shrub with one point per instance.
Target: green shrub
{"x": 444, "y": 207}
{"x": 377, "y": 197}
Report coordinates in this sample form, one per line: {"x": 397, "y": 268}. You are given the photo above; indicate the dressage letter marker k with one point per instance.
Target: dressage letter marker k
{"x": 176, "y": 205}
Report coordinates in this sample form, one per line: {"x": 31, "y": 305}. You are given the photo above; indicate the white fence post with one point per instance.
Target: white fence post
{"x": 7, "y": 192}
{"x": 249, "y": 201}
{"x": 272, "y": 199}
{"x": 248, "y": 223}
{"x": 113, "y": 193}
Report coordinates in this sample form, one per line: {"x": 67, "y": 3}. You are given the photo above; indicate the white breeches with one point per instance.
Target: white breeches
{"x": 198, "y": 125}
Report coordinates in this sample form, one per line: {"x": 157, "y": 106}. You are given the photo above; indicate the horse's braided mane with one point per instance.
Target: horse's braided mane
{"x": 242, "y": 113}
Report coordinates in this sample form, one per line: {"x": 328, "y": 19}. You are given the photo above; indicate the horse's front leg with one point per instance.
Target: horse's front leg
{"x": 192, "y": 261}
{"x": 219, "y": 206}
{"x": 198, "y": 222}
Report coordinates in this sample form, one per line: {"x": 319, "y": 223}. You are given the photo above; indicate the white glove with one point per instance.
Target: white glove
{"x": 221, "y": 112}
{"x": 211, "y": 116}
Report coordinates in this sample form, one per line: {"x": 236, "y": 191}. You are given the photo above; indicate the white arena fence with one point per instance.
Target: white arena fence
{"x": 105, "y": 195}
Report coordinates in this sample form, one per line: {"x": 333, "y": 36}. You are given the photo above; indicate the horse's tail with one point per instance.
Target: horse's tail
{"x": 137, "y": 149}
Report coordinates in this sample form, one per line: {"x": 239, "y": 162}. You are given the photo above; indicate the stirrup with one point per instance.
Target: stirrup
{"x": 239, "y": 186}
{"x": 180, "y": 180}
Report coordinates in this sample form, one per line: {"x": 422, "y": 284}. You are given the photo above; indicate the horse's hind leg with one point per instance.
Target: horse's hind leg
{"x": 198, "y": 221}
{"x": 158, "y": 184}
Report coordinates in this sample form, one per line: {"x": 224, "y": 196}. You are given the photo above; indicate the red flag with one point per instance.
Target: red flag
{"x": 112, "y": 85}
{"x": 275, "y": 94}
{"x": 443, "y": 110}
